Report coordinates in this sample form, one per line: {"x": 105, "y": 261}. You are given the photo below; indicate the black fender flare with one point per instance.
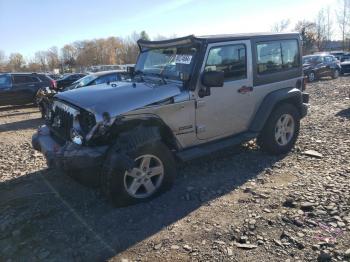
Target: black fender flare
{"x": 292, "y": 95}
{"x": 136, "y": 137}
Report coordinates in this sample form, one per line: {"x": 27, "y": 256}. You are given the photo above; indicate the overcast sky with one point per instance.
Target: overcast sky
{"x": 27, "y": 26}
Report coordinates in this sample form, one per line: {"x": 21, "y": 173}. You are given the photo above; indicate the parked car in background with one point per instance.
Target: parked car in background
{"x": 99, "y": 78}
{"x": 189, "y": 97}
{"x": 322, "y": 65}
{"x": 45, "y": 95}
{"x": 21, "y": 88}
{"x": 338, "y": 54}
{"x": 345, "y": 64}
{"x": 68, "y": 79}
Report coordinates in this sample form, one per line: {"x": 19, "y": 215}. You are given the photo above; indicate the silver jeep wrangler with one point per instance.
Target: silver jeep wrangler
{"x": 188, "y": 97}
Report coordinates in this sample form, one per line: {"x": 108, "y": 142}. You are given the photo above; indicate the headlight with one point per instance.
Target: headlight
{"x": 76, "y": 137}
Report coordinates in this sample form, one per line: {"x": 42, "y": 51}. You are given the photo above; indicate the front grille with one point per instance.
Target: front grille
{"x": 86, "y": 121}
{"x": 62, "y": 123}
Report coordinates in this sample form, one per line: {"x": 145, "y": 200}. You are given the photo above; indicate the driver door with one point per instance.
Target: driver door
{"x": 228, "y": 109}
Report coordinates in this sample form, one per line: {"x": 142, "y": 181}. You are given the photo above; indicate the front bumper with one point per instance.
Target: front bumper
{"x": 69, "y": 156}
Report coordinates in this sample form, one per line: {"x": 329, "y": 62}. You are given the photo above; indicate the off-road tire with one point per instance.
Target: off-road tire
{"x": 266, "y": 140}
{"x": 112, "y": 177}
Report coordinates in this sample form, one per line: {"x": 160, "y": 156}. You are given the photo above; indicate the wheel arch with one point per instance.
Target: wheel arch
{"x": 271, "y": 101}
{"x": 143, "y": 129}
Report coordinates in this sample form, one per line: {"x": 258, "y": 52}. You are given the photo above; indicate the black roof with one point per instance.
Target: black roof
{"x": 226, "y": 37}
{"x": 144, "y": 44}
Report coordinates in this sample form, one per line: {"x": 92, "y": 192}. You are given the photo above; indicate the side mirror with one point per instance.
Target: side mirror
{"x": 131, "y": 71}
{"x": 213, "y": 79}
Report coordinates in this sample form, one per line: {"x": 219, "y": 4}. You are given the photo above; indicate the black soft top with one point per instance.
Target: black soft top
{"x": 191, "y": 39}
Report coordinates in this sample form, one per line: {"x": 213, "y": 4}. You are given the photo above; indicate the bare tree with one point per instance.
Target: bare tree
{"x": 321, "y": 29}
{"x": 329, "y": 24}
{"x": 41, "y": 59}
{"x": 281, "y": 26}
{"x": 343, "y": 19}
{"x": 33, "y": 66}
{"x": 68, "y": 56}
{"x": 2, "y": 61}
{"x": 308, "y": 33}
{"x": 52, "y": 58}
{"x": 16, "y": 62}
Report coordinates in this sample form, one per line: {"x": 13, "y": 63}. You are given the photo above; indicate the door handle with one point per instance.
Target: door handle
{"x": 245, "y": 89}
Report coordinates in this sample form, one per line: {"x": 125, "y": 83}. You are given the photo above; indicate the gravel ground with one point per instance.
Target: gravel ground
{"x": 238, "y": 205}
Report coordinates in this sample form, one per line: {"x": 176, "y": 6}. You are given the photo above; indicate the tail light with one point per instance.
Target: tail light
{"x": 53, "y": 84}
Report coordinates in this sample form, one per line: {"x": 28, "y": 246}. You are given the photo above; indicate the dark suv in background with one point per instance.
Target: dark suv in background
{"x": 345, "y": 63}
{"x": 21, "y": 88}
{"x": 322, "y": 65}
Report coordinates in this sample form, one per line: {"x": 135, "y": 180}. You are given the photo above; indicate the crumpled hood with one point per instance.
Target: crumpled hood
{"x": 118, "y": 98}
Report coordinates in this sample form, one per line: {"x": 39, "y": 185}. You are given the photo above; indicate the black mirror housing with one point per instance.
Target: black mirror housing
{"x": 213, "y": 79}
{"x": 130, "y": 70}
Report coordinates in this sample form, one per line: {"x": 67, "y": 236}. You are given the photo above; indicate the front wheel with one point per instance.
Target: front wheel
{"x": 281, "y": 130}
{"x": 153, "y": 172}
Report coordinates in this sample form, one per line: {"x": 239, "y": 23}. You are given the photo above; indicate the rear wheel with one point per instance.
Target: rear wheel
{"x": 281, "y": 130}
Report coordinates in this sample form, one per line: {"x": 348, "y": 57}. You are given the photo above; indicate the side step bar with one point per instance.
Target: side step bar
{"x": 211, "y": 147}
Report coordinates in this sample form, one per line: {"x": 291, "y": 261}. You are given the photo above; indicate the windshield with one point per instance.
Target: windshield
{"x": 86, "y": 80}
{"x": 171, "y": 63}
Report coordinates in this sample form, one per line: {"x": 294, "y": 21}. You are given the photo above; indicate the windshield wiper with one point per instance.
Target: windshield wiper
{"x": 140, "y": 74}
{"x": 162, "y": 77}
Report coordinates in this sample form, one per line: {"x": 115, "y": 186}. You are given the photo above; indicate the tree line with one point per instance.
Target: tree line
{"x": 77, "y": 55}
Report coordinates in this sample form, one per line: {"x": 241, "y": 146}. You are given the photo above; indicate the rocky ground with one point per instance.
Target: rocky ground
{"x": 239, "y": 205}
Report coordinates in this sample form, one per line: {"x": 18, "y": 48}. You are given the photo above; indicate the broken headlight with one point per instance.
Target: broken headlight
{"x": 76, "y": 137}
{"x": 103, "y": 128}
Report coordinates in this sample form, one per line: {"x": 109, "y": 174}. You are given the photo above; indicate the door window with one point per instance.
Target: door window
{"x": 5, "y": 81}
{"x": 328, "y": 59}
{"x": 230, "y": 59}
{"x": 23, "y": 79}
{"x": 269, "y": 57}
{"x": 276, "y": 56}
{"x": 106, "y": 78}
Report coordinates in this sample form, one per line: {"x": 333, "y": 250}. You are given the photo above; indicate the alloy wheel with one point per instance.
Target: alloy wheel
{"x": 145, "y": 178}
{"x": 284, "y": 130}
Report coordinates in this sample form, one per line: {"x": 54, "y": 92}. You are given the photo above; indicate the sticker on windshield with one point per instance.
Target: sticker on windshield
{"x": 183, "y": 59}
